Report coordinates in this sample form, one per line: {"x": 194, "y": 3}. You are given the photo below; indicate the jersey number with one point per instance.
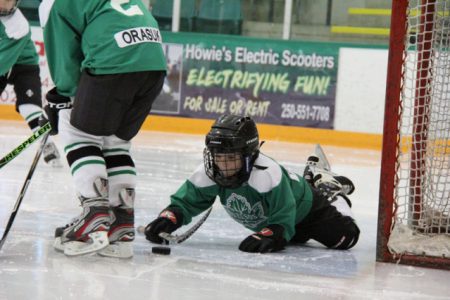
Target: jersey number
{"x": 133, "y": 10}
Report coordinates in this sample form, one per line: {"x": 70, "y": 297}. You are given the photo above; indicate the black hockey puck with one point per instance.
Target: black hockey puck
{"x": 161, "y": 250}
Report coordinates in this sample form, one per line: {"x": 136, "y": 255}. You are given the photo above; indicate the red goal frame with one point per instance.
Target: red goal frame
{"x": 388, "y": 175}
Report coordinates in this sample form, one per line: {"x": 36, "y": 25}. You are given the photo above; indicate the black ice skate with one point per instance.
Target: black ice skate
{"x": 87, "y": 233}
{"x": 329, "y": 183}
{"x": 121, "y": 233}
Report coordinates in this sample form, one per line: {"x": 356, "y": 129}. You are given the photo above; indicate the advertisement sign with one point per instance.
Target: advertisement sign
{"x": 276, "y": 82}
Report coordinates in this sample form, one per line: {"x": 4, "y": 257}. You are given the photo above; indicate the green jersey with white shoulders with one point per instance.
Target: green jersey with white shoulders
{"x": 16, "y": 46}
{"x": 101, "y": 36}
{"x": 272, "y": 195}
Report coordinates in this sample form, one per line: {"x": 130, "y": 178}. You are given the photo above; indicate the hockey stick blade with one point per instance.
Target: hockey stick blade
{"x": 23, "y": 191}
{"x": 176, "y": 239}
{"x": 19, "y": 149}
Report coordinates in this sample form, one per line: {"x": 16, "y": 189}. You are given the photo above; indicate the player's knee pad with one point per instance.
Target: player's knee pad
{"x": 349, "y": 238}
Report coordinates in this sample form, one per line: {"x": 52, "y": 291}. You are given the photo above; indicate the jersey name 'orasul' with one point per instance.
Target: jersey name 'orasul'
{"x": 131, "y": 42}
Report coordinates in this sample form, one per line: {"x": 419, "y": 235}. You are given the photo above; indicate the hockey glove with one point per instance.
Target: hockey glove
{"x": 55, "y": 103}
{"x": 269, "y": 239}
{"x": 3, "y": 82}
{"x": 168, "y": 221}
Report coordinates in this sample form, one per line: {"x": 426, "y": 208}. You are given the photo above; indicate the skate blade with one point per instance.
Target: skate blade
{"x": 58, "y": 245}
{"x": 118, "y": 250}
{"x": 98, "y": 241}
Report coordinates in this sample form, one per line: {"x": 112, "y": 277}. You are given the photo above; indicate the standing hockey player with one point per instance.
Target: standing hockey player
{"x": 19, "y": 66}
{"x": 259, "y": 193}
{"x": 106, "y": 60}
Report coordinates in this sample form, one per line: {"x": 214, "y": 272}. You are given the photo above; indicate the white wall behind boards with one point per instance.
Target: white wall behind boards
{"x": 361, "y": 89}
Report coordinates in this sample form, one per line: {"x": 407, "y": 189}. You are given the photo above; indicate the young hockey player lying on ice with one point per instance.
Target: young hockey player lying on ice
{"x": 279, "y": 206}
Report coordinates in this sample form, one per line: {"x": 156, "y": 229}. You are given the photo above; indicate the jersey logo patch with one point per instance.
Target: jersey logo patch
{"x": 29, "y": 93}
{"x": 138, "y": 35}
{"x": 241, "y": 210}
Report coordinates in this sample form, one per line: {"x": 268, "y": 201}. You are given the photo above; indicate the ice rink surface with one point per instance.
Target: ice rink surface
{"x": 209, "y": 264}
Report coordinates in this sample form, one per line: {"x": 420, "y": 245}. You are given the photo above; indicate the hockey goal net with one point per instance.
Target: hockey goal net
{"x": 414, "y": 211}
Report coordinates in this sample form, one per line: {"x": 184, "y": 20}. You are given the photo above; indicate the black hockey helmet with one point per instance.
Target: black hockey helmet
{"x": 11, "y": 10}
{"x": 232, "y": 146}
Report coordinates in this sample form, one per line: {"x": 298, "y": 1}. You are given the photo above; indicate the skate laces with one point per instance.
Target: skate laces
{"x": 310, "y": 169}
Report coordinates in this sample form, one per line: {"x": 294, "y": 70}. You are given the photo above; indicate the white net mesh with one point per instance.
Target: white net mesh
{"x": 422, "y": 195}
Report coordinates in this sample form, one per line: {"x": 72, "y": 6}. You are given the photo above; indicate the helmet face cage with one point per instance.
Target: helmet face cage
{"x": 232, "y": 146}
{"x": 227, "y": 169}
{"x": 9, "y": 11}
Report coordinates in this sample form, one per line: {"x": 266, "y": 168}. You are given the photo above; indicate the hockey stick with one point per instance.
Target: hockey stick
{"x": 177, "y": 239}
{"x": 36, "y": 135}
{"x": 23, "y": 191}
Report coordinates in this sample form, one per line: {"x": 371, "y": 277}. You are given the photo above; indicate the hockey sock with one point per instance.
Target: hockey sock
{"x": 31, "y": 114}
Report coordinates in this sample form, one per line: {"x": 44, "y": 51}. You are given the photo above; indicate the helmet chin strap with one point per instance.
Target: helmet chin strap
{"x": 248, "y": 163}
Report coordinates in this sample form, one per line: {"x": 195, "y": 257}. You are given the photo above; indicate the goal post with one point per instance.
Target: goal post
{"x": 414, "y": 207}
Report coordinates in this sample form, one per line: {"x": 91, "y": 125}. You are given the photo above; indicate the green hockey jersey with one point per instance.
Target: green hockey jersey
{"x": 101, "y": 36}
{"x": 272, "y": 195}
{"x": 16, "y": 46}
